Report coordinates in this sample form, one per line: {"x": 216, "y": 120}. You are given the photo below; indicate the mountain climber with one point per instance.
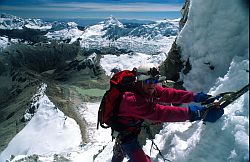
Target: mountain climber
{"x": 145, "y": 103}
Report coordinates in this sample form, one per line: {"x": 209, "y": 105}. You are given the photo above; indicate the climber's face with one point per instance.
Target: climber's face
{"x": 148, "y": 86}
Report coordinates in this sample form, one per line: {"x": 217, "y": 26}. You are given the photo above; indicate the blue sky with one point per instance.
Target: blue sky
{"x": 121, "y": 9}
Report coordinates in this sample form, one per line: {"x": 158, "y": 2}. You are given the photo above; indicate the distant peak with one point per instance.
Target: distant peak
{"x": 112, "y": 21}
{"x": 72, "y": 24}
{"x": 4, "y": 15}
{"x": 111, "y": 17}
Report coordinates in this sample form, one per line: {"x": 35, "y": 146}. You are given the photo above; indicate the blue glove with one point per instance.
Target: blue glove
{"x": 197, "y": 112}
{"x": 201, "y": 97}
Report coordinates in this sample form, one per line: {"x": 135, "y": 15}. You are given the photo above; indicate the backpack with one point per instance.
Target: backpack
{"x": 120, "y": 83}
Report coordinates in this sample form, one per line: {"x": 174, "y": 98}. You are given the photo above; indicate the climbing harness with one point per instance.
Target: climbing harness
{"x": 222, "y": 100}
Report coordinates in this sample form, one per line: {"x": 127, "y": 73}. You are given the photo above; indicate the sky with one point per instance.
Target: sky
{"x": 120, "y": 9}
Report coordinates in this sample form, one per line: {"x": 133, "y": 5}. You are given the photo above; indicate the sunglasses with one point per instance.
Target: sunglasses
{"x": 151, "y": 81}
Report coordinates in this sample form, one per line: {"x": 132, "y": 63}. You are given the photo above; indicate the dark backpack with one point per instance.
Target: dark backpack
{"x": 120, "y": 83}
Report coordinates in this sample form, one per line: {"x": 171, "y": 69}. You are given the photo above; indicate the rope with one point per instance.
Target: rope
{"x": 153, "y": 145}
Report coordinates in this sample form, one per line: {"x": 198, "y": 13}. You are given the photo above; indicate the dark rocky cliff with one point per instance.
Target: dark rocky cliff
{"x": 174, "y": 64}
{"x": 23, "y": 67}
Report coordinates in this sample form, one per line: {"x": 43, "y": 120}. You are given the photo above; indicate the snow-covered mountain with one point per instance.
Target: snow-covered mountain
{"x": 11, "y": 22}
{"x": 113, "y": 29}
{"x": 111, "y": 22}
{"x": 110, "y": 32}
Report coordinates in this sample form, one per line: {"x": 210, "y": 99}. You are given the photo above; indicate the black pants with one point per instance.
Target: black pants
{"x": 118, "y": 154}
{"x": 131, "y": 148}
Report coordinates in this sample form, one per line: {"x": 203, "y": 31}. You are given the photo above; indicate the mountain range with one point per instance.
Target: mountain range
{"x": 107, "y": 32}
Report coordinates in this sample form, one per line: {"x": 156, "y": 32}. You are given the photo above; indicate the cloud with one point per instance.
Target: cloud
{"x": 92, "y": 7}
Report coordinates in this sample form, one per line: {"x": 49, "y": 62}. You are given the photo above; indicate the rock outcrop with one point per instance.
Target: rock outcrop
{"x": 174, "y": 64}
{"x": 184, "y": 13}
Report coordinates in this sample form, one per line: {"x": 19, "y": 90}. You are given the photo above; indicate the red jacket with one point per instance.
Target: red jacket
{"x": 141, "y": 106}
